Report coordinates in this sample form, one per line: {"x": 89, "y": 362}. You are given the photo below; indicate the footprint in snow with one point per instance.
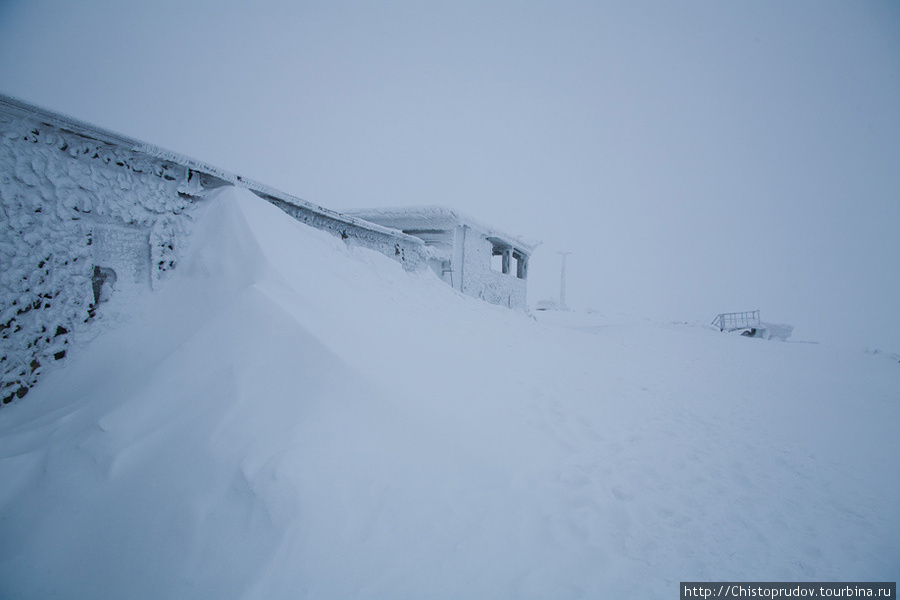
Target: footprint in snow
{"x": 621, "y": 494}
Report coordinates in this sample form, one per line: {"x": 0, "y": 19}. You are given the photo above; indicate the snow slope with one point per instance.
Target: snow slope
{"x": 293, "y": 418}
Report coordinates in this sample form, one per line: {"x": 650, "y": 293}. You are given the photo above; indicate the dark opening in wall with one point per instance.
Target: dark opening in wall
{"x": 500, "y": 258}
{"x": 497, "y": 262}
{"x": 102, "y": 283}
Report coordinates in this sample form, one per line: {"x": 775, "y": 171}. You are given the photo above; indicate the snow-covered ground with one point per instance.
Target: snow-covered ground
{"x": 290, "y": 417}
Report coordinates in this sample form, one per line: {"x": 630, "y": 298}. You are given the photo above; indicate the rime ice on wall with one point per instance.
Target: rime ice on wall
{"x": 79, "y": 217}
{"x": 407, "y": 250}
{"x": 481, "y": 281}
{"x": 464, "y": 251}
{"x": 85, "y": 213}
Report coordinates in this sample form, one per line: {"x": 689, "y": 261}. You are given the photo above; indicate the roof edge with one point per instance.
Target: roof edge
{"x": 106, "y": 136}
{"x": 443, "y": 213}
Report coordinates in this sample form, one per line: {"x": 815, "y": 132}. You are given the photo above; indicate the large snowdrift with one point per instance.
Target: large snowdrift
{"x": 293, "y": 418}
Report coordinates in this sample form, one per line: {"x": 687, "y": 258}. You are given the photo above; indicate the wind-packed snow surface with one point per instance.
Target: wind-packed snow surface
{"x": 292, "y": 418}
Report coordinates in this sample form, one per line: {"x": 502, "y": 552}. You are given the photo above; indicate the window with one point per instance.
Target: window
{"x": 500, "y": 259}
{"x": 497, "y": 262}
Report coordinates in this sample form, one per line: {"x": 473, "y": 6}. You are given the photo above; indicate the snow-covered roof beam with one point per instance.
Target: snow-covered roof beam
{"x": 407, "y": 218}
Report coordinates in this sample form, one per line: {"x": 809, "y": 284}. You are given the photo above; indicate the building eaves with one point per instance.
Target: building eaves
{"x": 86, "y": 130}
{"x": 426, "y": 217}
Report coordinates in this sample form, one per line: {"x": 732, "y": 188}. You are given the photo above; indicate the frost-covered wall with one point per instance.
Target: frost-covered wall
{"x": 481, "y": 281}
{"x": 86, "y": 213}
{"x": 463, "y": 251}
{"x": 409, "y": 251}
{"x": 80, "y": 217}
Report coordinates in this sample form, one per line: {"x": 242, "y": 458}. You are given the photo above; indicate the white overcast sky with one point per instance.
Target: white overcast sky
{"x": 695, "y": 157}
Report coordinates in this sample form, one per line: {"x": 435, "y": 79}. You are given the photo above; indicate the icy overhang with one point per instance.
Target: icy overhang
{"x": 411, "y": 219}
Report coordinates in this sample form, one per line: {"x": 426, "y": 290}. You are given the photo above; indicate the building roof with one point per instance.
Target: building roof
{"x": 20, "y": 108}
{"x": 436, "y": 217}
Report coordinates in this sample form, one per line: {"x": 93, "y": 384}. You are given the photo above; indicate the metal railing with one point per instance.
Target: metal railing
{"x": 737, "y": 320}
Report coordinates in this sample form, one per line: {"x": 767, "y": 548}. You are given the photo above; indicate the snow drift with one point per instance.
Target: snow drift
{"x": 292, "y": 418}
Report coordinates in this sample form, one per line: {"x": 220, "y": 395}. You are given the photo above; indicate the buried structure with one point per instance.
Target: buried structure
{"x": 87, "y": 213}
{"x": 749, "y": 324}
{"x": 473, "y": 258}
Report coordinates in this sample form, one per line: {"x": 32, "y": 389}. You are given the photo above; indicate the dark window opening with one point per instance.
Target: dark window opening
{"x": 500, "y": 259}
{"x": 497, "y": 262}
{"x": 503, "y": 257}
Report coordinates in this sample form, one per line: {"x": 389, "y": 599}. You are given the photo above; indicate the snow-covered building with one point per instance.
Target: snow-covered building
{"x": 474, "y": 258}
{"x": 87, "y": 213}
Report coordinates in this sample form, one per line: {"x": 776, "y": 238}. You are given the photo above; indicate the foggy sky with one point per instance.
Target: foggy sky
{"x": 695, "y": 157}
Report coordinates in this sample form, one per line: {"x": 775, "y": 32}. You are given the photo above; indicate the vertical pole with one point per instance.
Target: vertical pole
{"x": 562, "y": 282}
